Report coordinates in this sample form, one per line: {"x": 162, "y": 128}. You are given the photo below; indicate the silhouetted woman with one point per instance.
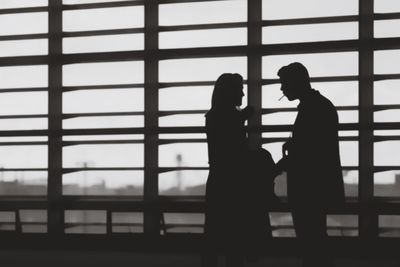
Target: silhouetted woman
{"x": 227, "y": 147}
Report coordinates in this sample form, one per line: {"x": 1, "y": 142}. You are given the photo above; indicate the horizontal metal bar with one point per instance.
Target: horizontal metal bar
{"x": 71, "y": 170}
{"x": 101, "y": 114}
{"x": 103, "y": 5}
{"x": 24, "y": 36}
{"x": 318, "y": 20}
{"x": 275, "y": 110}
{"x": 26, "y": 116}
{"x": 317, "y": 79}
{"x": 386, "y": 16}
{"x": 188, "y": 140}
{"x": 101, "y": 142}
{"x": 171, "y": 169}
{"x": 28, "y": 143}
{"x": 185, "y": 1}
{"x": 24, "y": 60}
{"x": 102, "y": 32}
{"x": 386, "y": 168}
{"x": 381, "y": 77}
{"x": 266, "y": 140}
{"x": 385, "y": 107}
{"x": 103, "y": 131}
{"x": 23, "y": 90}
{"x": 22, "y": 169}
{"x": 103, "y": 57}
{"x": 185, "y": 84}
{"x": 382, "y": 138}
{"x": 386, "y": 43}
{"x": 105, "y": 86}
{"x": 177, "y": 53}
{"x": 209, "y": 26}
{"x": 24, "y": 10}
{"x": 14, "y": 133}
{"x": 180, "y": 112}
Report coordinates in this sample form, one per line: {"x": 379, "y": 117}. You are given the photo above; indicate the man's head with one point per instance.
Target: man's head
{"x": 295, "y": 80}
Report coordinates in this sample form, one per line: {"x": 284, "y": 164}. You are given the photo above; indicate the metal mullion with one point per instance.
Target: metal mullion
{"x": 368, "y": 223}
{"x": 24, "y": 36}
{"x": 104, "y": 5}
{"x": 318, "y": 79}
{"x": 23, "y": 60}
{"x": 102, "y": 87}
{"x": 310, "y": 47}
{"x": 254, "y": 65}
{"x": 26, "y": 116}
{"x": 103, "y": 32}
{"x": 209, "y": 26}
{"x": 103, "y": 57}
{"x": 151, "y": 218}
{"x": 55, "y": 213}
{"x": 387, "y": 16}
{"x": 19, "y": 10}
{"x": 23, "y": 90}
{"x": 302, "y": 21}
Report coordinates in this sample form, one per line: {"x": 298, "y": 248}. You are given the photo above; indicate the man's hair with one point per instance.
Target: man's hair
{"x": 295, "y": 72}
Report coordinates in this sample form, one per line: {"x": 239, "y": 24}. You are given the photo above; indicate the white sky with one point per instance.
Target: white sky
{"x": 341, "y": 93}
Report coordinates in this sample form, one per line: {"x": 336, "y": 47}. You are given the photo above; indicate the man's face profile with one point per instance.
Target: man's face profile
{"x": 288, "y": 88}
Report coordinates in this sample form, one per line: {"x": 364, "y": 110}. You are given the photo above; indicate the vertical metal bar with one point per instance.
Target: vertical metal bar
{"x": 109, "y": 222}
{"x": 254, "y": 62}
{"x": 151, "y": 217}
{"x": 55, "y": 213}
{"x": 367, "y": 222}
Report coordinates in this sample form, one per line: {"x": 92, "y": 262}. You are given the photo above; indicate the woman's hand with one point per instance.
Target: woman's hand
{"x": 247, "y": 112}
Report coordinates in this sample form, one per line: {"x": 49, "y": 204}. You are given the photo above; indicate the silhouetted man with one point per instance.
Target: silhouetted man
{"x": 312, "y": 161}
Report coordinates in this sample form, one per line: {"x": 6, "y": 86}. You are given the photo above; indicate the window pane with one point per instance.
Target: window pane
{"x": 184, "y": 222}
{"x": 103, "y": 73}
{"x": 387, "y": 153}
{"x": 104, "y": 137}
{"x": 113, "y": 100}
{"x": 23, "y": 139}
{"x": 33, "y": 221}
{"x": 203, "y": 12}
{"x": 387, "y": 92}
{"x": 385, "y": 62}
{"x": 386, "y": 28}
{"x": 114, "y": 155}
{"x": 32, "y": 103}
{"x": 127, "y": 222}
{"x": 22, "y": 3}
{"x": 23, "y": 156}
{"x": 187, "y": 183}
{"x": 203, "y": 38}
{"x": 181, "y": 155}
{"x": 348, "y": 153}
{"x": 182, "y": 136}
{"x": 24, "y": 47}
{"x": 327, "y": 64}
{"x": 387, "y": 184}
{"x": 386, "y": 6}
{"x": 279, "y": 118}
{"x": 23, "y": 124}
{"x": 23, "y": 23}
{"x": 185, "y": 98}
{"x": 351, "y": 181}
{"x": 103, "y": 19}
{"x": 339, "y": 93}
{"x": 391, "y": 115}
{"x": 282, "y": 224}
{"x": 85, "y": 221}
{"x": 342, "y": 225}
{"x": 309, "y": 33}
{"x": 34, "y": 76}
{"x": 201, "y": 69}
{"x": 278, "y": 9}
{"x": 103, "y": 183}
{"x": 23, "y": 182}
{"x": 389, "y": 225}
{"x": 182, "y": 120}
{"x": 108, "y": 43}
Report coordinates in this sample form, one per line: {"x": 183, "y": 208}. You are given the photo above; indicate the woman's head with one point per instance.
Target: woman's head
{"x": 228, "y": 91}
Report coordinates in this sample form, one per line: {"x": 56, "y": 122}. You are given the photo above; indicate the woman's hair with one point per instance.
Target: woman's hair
{"x": 225, "y": 90}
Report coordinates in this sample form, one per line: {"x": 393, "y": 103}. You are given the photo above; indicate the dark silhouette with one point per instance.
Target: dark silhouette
{"x": 312, "y": 161}
{"x": 230, "y": 224}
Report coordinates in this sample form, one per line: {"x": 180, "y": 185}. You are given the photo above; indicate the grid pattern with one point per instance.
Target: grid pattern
{"x": 121, "y": 104}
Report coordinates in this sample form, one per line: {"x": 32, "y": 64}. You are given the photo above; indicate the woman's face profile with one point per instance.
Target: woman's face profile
{"x": 239, "y": 95}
